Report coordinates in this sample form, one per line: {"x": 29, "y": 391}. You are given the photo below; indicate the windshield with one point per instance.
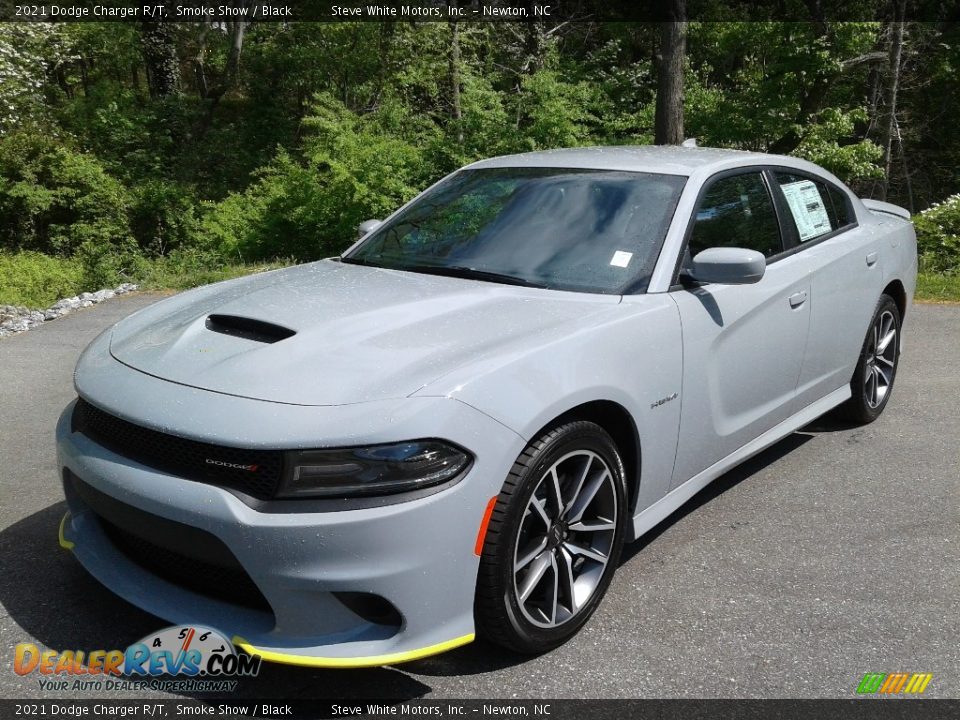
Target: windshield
{"x": 582, "y": 230}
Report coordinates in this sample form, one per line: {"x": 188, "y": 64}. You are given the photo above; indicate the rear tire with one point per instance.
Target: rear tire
{"x": 553, "y": 541}
{"x": 877, "y": 365}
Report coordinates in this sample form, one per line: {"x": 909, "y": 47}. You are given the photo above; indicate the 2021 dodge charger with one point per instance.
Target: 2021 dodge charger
{"x": 453, "y": 427}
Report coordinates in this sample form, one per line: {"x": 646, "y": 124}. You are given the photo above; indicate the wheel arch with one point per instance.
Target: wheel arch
{"x": 896, "y": 290}
{"x": 617, "y": 421}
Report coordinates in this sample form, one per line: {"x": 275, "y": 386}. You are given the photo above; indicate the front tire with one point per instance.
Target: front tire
{"x": 877, "y": 365}
{"x": 554, "y": 539}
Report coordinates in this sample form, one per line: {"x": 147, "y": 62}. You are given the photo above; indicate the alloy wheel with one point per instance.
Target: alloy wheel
{"x": 881, "y": 359}
{"x": 565, "y": 538}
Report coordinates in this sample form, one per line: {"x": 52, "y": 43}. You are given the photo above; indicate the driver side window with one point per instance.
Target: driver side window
{"x": 737, "y": 211}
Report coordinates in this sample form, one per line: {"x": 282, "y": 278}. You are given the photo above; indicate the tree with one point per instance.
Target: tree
{"x": 415, "y": 100}
{"x": 668, "y": 127}
{"x": 454, "y": 66}
{"x": 893, "y": 86}
{"x": 158, "y": 41}
{"x": 234, "y": 32}
{"x": 29, "y": 54}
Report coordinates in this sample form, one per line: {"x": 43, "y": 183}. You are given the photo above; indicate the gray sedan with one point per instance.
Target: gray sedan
{"x": 452, "y": 428}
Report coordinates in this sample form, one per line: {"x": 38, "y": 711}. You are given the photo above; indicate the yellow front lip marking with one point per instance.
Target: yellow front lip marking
{"x": 64, "y": 543}
{"x": 357, "y": 662}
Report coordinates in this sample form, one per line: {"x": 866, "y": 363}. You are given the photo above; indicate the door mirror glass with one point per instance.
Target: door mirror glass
{"x": 728, "y": 266}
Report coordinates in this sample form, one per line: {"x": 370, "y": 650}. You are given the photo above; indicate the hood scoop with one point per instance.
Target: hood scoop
{"x": 248, "y": 328}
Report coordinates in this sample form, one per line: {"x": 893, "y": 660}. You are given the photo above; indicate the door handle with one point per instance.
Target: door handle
{"x": 871, "y": 259}
{"x": 798, "y": 299}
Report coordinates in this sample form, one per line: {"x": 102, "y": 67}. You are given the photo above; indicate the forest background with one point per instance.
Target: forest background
{"x": 178, "y": 154}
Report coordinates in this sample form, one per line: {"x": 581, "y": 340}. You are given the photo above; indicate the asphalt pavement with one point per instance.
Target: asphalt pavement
{"x": 832, "y": 554}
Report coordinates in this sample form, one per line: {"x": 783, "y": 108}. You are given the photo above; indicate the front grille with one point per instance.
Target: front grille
{"x": 179, "y": 456}
{"x": 184, "y": 555}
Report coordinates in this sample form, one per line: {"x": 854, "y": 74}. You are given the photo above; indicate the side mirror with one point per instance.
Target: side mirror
{"x": 728, "y": 266}
{"x": 368, "y": 226}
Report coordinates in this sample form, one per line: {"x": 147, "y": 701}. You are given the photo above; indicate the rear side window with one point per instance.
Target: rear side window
{"x": 817, "y": 208}
{"x": 737, "y": 211}
{"x": 841, "y": 205}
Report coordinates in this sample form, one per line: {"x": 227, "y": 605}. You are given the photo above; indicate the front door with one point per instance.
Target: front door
{"x": 743, "y": 345}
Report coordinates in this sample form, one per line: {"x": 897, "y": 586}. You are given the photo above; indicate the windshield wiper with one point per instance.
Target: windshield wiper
{"x": 459, "y": 271}
{"x": 354, "y": 261}
{"x": 470, "y": 273}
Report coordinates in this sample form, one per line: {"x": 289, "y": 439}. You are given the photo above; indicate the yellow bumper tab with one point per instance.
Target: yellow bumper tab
{"x": 64, "y": 543}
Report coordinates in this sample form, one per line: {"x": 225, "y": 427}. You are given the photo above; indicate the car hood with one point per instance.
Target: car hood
{"x": 329, "y": 333}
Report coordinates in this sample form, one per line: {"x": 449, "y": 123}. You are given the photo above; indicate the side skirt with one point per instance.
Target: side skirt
{"x": 661, "y": 509}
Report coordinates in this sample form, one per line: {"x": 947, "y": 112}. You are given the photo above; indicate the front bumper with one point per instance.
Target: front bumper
{"x": 417, "y": 555}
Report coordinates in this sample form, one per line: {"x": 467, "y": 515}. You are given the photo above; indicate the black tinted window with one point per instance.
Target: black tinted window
{"x": 841, "y": 206}
{"x": 816, "y": 207}
{"x": 737, "y": 212}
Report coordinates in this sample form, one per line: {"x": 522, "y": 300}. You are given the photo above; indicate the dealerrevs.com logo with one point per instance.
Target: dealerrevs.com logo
{"x": 183, "y": 657}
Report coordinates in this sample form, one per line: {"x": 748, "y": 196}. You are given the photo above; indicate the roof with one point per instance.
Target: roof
{"x": 666, "y": 159}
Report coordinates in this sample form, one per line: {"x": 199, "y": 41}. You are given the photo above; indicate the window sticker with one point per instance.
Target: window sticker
{"x": 808, "y": 208}
{"x": 621, "y": 258}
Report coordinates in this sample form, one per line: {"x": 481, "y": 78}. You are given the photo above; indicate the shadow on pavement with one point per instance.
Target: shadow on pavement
{"x": 833, "y": 421}
{"x": 718, "y": 487}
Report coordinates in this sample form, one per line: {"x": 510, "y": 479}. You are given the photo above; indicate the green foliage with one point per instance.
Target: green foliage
{"x": 626, "y": 84}
{"x": 108, "y": 264}
{"x": 28, "y": 51}
{"x": 276, "y": 213}
{"x": 938, "y": 287}
{"x": 325, "y": 125}
{"x": 758, "y": 84}
{"x": 353, "y": 168}
{"x": 930, "y": 106}
{"x": 369, "y": 163}
{"x": 163, "y": 217}
{"x": 133, "y": 139}
{"x": 37, "y": 280}
{"x": 484, "y": 118}
{"x": 822, "y": 144}
{"x": 554, "y": 112}
{"x": 55, "y": 199}
{"x": 938, "y": 236}
{"x": 184, "y": 269}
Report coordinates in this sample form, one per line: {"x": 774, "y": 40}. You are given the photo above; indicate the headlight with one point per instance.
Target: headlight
{"x": 373, "y": 470}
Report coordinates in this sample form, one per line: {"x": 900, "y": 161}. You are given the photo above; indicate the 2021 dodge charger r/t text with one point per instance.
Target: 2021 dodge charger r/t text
{"x": 453, "y": 427}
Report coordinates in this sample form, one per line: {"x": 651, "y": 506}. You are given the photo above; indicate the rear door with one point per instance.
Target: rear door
{"x": 742, "y": 344}
{"x": 844, "y": 262}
